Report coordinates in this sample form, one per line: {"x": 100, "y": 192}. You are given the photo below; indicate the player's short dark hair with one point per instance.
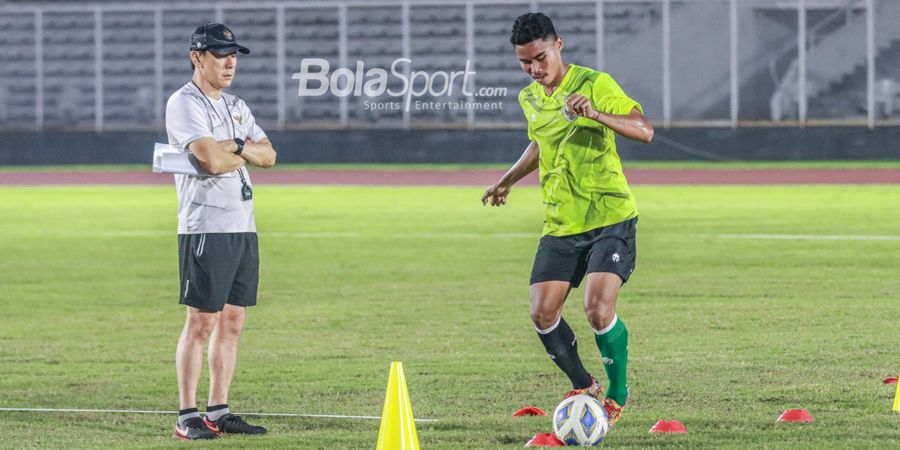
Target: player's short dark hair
{"x": 531, "y": 27}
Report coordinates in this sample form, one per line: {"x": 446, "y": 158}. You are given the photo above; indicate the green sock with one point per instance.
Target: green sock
{"x": 613, "y": 345}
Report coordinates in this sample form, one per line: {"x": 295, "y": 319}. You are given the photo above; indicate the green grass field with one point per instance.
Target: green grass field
{"x": 725, "y": 333}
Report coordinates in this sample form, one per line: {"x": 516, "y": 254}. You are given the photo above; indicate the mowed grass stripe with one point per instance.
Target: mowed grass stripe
{"x": 725, "y": 333}
{"x": 243, "y": 413}
{"x": 295, "y": 234}
{"x": 810, "y": 237}
{"x": 426, "y": 235}
{"x": 635, "y": 164}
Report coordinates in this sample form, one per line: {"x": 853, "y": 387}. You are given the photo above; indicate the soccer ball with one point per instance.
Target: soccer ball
{"x": 580, "y": 420}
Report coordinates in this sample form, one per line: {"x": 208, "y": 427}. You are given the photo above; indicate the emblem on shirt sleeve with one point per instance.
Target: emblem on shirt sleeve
{"x": 238, "y": 118}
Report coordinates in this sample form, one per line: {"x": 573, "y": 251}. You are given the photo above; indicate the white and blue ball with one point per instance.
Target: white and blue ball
{"x": 580, "y": 420}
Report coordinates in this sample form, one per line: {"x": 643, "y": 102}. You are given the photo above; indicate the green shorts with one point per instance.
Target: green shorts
{"x": 218, "y": 268}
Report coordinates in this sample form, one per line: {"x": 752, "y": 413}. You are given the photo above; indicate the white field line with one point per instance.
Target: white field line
{"x": 136, "y": 411}
{"x": 812, "y": 237}
{"x": 455, "y": 235}
{"x": 305, "y": 234}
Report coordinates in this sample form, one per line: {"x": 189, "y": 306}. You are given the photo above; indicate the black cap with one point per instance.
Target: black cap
{"x": 216, "y": 38}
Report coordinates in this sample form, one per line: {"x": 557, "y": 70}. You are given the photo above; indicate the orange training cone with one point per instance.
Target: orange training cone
{"x": 529, "y": 411}
{"x": 398, "y": 429}
{"x": 795, "y": 415}
{"x": 545, "y": 440}
{"x": 663, "y": 426}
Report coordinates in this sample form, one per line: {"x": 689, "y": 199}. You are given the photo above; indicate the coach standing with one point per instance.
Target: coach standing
{"x": 217, "y": 244}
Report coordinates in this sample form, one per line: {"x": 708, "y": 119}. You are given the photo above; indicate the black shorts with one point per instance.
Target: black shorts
{"x": 218, "y": 268}
{"x": 568, "y": 258}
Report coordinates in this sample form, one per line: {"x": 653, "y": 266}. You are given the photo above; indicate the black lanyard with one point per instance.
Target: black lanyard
{"x": 213, "y": 108}
{"x": 246, "y": 190}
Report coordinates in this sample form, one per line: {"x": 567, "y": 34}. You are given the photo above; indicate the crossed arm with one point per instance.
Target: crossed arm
{"x": 218, "y": 157}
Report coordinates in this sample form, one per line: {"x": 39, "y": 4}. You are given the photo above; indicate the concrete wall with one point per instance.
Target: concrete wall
{"x": 503, "y": 146}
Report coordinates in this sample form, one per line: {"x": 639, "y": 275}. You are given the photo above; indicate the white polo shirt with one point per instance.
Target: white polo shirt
{"x": 211, "y": 204}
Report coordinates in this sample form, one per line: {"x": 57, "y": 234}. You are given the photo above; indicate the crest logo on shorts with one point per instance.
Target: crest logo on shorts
{"x": 615, "y": 257}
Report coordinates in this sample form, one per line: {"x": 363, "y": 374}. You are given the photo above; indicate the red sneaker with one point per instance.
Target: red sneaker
{"x": 594, "y": 390}
{"x": 193, "y": 428}
{"x": 613, "y": 410}
{"x": 211, "y": 426}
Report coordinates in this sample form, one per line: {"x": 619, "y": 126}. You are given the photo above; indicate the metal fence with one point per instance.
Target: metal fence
{"x": 711, "y": 63}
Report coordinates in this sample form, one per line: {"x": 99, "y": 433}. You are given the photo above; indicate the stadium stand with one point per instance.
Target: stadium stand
{"x": 374, "y": 35}
{"x": 310, "y": 33}
{"x": 836, "y": 60}
{"x": 437, "y": 36}
{"x": 132, "y": 96}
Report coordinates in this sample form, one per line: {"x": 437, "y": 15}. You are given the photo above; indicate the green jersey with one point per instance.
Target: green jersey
{"x": 581, "y": 174}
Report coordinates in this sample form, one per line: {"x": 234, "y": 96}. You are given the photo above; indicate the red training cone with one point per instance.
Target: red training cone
{"x": 795, "y": 415}
{"x": 890, "y": 380}
{"x": 545, "y": 440}
{"x": 673, "y": 426}
{"x": 660, "y": 426}
{"x": 529, "y": 411}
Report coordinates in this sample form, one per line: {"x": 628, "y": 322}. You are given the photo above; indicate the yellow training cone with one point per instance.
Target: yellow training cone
{"x": 398, "y": 429}
{"x": 897, "y": 399}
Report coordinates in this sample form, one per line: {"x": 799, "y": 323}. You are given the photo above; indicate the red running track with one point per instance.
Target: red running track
{"x": 474, "y": 177}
